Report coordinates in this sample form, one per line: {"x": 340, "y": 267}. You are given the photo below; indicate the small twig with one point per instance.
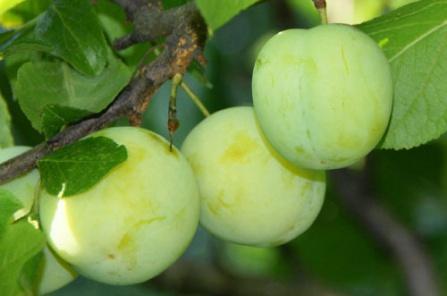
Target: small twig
{"x": 355, "y": 194}
{"x": 195, "y": 99}
{"x": 173, "y": 122}
{"x": 124, "y": 42}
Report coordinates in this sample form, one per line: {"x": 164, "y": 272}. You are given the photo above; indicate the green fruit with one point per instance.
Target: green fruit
{"x": 23, "y": 188}
{"x": 364, "y": 10}
{"x": 135, "y": 222}
{"x": 248, "y": 261}
{"x": 322, "y": 96}
{"x": 248, "y": 194}
{"x": 353, "y": 11}
{"x": 55, "y": 273}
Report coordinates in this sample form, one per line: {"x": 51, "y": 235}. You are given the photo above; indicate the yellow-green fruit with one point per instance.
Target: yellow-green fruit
{"x": 55, "y": 273}
{"x": 365, "y": 10}
{"x": 248, "y": 195}
{"x": 322, "y": 96}
{"x": 248, "y": 261}
{"x": 353, "y": 11}
{"x": 135, "y": 222}
{"x": 23, "y": 188}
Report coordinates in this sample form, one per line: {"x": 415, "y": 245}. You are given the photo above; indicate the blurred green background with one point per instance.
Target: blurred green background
{"x": 336, "y": 256}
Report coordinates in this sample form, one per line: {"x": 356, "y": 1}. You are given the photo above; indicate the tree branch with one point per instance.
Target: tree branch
{"x": 355, "y": 194}
{"x": 151, "y": 23}
{"x": 185, "y": 33}
{"x": 133, "y": 6}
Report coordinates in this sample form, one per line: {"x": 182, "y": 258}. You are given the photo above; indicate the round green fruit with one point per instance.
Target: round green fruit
{"x": 135, "y": 222}
{"x": 248, "y": 194}
{"x": 322, "y": 96}
{"x": 54, "y": 273}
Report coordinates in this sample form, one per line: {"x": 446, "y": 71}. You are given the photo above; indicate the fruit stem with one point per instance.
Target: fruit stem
{"x": 195, "y": 99}
{"x": 173, "y": 122}
{"x": 320, "y": 5}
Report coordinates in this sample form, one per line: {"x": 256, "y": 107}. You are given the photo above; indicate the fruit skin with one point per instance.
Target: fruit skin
{"x": 135, "y": 222}
{"x": 55, "y": 273}
{"x": 322, "y": 96}
{"x": 249, "y": 195}
{"x": 23, "y": 188}
{"x": 354, "y": 11}
{"x": 248, "y": 261}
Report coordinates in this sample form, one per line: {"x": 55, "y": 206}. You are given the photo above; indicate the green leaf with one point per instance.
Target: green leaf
{"x": 5, "y": 5}
{"x": 8, "y": 205}
{"x": 5, "y": 125}
{"x": 414, "y": 38}
{"x": 44, "y": 83}
{"x": 11, "y": 37}
{"x": 23, "y": 12}
{"x": 55, "y": 118}
{"x": 115, "y": 25}
{"x": 14, "y": 62}
{"x": 19, "y": 243}
{"x": 6, "y": 39}
{"x": 70, "y": 30}
{"x": 218, "y": 12}
{"x": 31, "y": 275}
{"x": 77, "y": 167}
{"x": 21, "y": 20}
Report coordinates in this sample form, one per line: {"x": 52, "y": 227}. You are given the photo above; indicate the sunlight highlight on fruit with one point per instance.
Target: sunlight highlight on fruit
{"x": 136, "y": 221}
